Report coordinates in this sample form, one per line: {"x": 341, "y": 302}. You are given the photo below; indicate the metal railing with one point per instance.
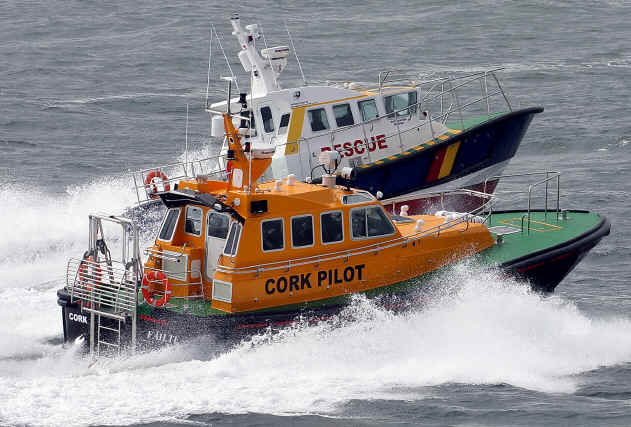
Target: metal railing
{"x": 479, "y": 214}
{"x": 184, "y": 273}
{"x": 109, "y": 289}
{"x": 548, "y": 177}
{"x": 440, "y": 89}
{"x": 167, "y": 176}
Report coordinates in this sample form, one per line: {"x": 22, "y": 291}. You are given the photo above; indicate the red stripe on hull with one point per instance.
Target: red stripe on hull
{"x": 434, "y": 170}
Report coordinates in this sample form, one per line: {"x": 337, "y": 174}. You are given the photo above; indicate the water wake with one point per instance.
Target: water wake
{"x": 472, "y": 327}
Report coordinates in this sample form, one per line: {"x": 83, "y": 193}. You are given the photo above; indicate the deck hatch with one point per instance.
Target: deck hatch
{"x": 501, "y": 230}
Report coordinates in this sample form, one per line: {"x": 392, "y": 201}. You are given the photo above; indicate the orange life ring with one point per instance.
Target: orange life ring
{"x": 152, "y": 185}
{"x": 148, "y": 292}
{"x": 84, "y": 275}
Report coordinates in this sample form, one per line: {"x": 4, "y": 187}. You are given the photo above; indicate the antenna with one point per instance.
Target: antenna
{"x": 186, "y": 141}
{"x": 225, "y": 57}
{"x": 291, "y": 40}
{"x": 210, "y": 56}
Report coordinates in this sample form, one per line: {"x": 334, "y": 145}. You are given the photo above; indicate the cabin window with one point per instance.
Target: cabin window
{"x": 284, "y": 124}
{"x": 168, "y": 226}
{"x": 268, "y": 120}
{"x": 368, "y": 109}
{"x": 370, "y": 221}
{"x": 302, "y": 231}
{"x": 217, "y": 225}
{"x": 232, "y": 243}
{"x": 331, "y": 227}
{"x": 352, "y": 199}
{"x": 272, "y": 235}
{"x": 193, "y": 223}
{"x": 318, "y": 120}
{"x": 399, "y": 102}
{"x": 343, "y": 115}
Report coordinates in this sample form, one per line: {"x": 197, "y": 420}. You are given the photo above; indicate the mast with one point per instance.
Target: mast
{"x": 264, "y": 78}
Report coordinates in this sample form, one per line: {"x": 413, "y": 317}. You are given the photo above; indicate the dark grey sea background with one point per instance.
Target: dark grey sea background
{"x": 91, "y": 89}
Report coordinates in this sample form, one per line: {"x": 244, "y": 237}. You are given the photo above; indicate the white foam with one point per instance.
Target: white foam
{"x": 40, "y": 231}
{"x": 479, "y": 329}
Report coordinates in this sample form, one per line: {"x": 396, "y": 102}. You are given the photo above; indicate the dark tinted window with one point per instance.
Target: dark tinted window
{"x": 318, "y": 120}
{"x": 233, "y": 239}
{"x": 284, "y": 122}
{"x": 193, "y": 223}
{"x": 272, "y": 234}
{"x": 343, "y": 115}
{"x": 268, "y": 120}
{"x": 166, "y": 233}
{"x": 302, "y": 231}
{"x": 358, "y": 222}
{"x": 217, "y": 225}
{"x": 332, "y": 227}
{"x": 370, "y": 221}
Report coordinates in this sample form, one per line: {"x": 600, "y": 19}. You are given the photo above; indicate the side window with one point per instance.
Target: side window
{"x": 268, "y": 120}
{"x": 368, "y": 109}
{"x": 302, "y": 231}
{"x": 343, "y": 115}
{"x": 318, "y": 120}
{"x": 412, "y": 101}
{"x": 168, "y": 226}
{"x": 272, "y": 235}
{"x": 217, "y": 225}
{"x": 370, "y": 221}
{"x": 232, "y": 243}
{"x": 284, "y": 124}
{"x": 332, "y": 227}
{"x": 193, "y": 223}
{"x": 399, "y": 102}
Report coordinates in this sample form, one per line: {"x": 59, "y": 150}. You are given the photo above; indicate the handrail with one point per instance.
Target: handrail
{"x": 413, "y": 109}
{"x": 179, "y": 171}
{"x": 187, "y": 273}
{"x": 549, "y": 176}
{"x": 465, "y": 218}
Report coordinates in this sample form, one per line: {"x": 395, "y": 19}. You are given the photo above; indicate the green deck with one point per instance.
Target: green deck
{"x": 545, "y": 232}
{"x": 471, "y": 122}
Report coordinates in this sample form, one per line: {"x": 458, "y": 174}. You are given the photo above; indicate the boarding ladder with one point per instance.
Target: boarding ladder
{"x": 108, "y": 288}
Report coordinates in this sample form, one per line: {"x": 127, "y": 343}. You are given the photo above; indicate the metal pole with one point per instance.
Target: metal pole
{"x": 186, "y": 143}
{"x": 210, "y": 55}
{"x": 291, "y": 40}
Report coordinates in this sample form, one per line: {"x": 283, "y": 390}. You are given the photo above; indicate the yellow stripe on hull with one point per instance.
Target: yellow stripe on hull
{"x": 448, "y": 161}
{"x": 295, "y": 130}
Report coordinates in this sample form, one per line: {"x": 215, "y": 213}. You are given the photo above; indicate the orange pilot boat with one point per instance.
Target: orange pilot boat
{"x": 234, "y": 255}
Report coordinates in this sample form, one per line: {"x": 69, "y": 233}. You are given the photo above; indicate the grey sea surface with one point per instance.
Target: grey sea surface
{"x": 89, "y": 90}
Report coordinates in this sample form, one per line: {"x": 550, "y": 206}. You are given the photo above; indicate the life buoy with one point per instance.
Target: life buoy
{"x": 152, "y": 180}
{"x": 86, "y": 277}
{"x": 148, "y": 292}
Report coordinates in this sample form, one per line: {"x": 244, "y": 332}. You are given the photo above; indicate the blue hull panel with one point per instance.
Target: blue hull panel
{"x": 481, "y": 146}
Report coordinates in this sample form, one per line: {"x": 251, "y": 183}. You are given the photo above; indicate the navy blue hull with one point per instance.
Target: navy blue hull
{"x": 480, "y": 147}
{"x": 546, "y": 269}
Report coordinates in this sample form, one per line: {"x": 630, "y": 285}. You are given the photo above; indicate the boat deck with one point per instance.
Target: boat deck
{"x": 546, "y": 232}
